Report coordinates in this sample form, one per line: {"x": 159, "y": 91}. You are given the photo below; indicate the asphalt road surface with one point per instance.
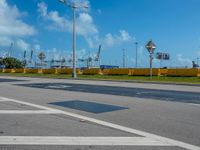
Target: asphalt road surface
{"x": 39, "y": 113}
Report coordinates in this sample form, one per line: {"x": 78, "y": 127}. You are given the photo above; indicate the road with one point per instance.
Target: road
{"x": 40, "y": 113}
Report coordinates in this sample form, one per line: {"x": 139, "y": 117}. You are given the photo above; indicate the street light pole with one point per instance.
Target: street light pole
{"x": 74, "y": 7}
{"x": 136, "y": 53}
{"x": 74, "y": 75}
{"x": 198, "y": 61}
{"x": 124, "y": 59}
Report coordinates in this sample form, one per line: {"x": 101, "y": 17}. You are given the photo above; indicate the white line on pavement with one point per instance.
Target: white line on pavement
{"x": 3, "y": 100}
{"x": 115, "y": 126}
{"x": 28, "y": 112}
{"x": 28, "y": 104}
{"x": 58, "y": 86}
{"x": 56, "y": 140}
{"x": 194, "y": 104}
{"x": 148, "y": 92}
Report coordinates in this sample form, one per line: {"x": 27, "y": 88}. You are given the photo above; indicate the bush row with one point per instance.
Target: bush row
{"x": 121, "y": 71}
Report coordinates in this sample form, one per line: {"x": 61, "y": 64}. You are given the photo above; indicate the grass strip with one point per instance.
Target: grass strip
{"x": 159, "y": 79}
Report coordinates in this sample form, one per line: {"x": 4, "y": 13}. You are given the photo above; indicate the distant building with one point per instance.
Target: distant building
{"x": 108, "y": 67}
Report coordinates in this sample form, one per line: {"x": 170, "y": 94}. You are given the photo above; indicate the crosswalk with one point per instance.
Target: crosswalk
{"x": 143, "y": 138}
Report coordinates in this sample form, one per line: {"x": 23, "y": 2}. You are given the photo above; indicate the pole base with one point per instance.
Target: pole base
{"x": 74, "y": 75}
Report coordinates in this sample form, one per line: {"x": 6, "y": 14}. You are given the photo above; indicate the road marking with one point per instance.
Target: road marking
{"x": 115, "y": 126}
{"x": 29, "y": 104}
{"x": 194, "y": 104}
{"x": 56, "y": 140}
{"x": 28, "y": 112}
{"x": 58, "y": 86}
{"x": 3, "y": 100}
{"x": 146, "y": 92}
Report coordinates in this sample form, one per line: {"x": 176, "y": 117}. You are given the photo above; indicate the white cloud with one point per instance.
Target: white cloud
{"x": 198, "y": 53}
{"x": 58, "y": 21}
{"x": 42, "y": 9}
{"x": 36, "y": 47}
{"x": 84, "y": 26}
{"x": 110, "y": 40}
{"x": 93, "y": 41}
{"x": 124, "y": 36}
{"x": 141, "y": 50}
{"x": 183, "y": 61}
{"x": 22, "y": 45}
{"x": 11, "y": 23}
{"x": 13, "y": 28}
{"x": 5, "y": 41}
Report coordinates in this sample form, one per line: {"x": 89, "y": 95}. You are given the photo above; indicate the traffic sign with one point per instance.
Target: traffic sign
{"x": 151, "y": 46}
{"x": 162, "y": 56}
{"x": 41, "y": 56}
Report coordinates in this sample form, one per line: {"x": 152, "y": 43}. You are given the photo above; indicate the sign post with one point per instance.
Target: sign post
{"x": 151, "y": 47}
{"x": 42, "y": 57}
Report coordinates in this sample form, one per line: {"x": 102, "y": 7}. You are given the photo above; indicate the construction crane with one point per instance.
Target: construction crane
{"x": 10, "y": 50}
{"x": 24, "y": 56}
{"x": 89, "y": 60}
{"x": 31, "y": 56}
{"x": 97, "y": 58}
{"x": 24, "y": 59}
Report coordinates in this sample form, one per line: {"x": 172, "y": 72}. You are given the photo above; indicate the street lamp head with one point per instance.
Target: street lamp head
{"x": 84, "y": 6}
{"x": 63, "y": 1}
{"x": 74, "y": 5}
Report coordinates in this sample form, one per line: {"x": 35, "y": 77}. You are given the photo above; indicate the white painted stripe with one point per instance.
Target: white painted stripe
{"x": 194, "y": 104}
{"x": 28, "y": 112}
{"x": 28, "y": 104}
{"x": 115, "y": 126}
{"x": 3, "y": 100}
{"x": 58, "y": 86}
{"x": 55, "y": 140}
{"x": 148, "y": 92}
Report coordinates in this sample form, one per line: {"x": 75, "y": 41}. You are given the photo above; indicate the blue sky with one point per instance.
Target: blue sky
{"x": 45, "y": 25}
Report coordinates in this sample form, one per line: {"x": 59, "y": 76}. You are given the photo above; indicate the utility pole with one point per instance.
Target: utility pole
{"x": 73, "y": 6}
{"x": 124, "y": 58}
{"x": 198, "y": 61}
{"x": 74, "y": 75}
{"x": 136, "y": 53}
{"x": 10, "y": 50}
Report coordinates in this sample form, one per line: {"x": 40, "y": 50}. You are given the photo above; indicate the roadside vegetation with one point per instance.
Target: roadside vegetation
{"x": 10, "y": 62}
{"x": 162, "y": 79}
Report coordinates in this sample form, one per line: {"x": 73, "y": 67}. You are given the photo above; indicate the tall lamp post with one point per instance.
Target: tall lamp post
{"x": 151, "y": 47}
{"x": 124, "y": 58}
{"x": 136, "y": 53}
{"x": 198, "y": 61}
{"x": 74, "y": 6}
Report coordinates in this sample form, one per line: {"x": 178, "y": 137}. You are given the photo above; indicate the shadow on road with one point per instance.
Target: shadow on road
{"x": 165, "y": 95}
